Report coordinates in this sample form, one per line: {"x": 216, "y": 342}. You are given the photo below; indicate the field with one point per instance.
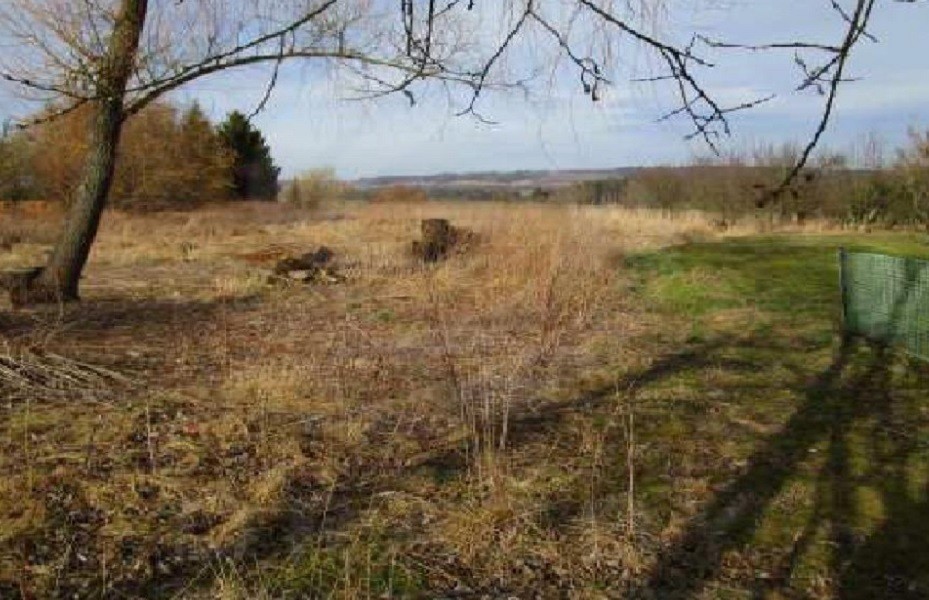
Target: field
{"x": 587, "y": 402}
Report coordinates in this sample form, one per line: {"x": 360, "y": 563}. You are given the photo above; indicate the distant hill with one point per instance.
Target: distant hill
{"x": 496, "y": 180}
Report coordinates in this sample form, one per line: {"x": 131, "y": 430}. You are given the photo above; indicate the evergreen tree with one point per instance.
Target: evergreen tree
{"x": 254, "y": 173}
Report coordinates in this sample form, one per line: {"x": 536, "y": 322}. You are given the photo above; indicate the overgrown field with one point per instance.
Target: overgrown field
{"x": 586, "y": 403}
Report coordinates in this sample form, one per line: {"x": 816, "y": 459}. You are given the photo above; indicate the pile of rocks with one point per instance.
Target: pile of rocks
{"x": 312, "y": 267}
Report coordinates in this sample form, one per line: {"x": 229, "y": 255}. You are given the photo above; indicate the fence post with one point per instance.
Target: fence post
{"x": 843, "y": 287}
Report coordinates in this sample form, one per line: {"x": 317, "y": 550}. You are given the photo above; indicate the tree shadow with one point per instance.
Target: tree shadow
{"x": 852, "y": 390}
{"x": 100, "y": 315}
{"x": 312, "y": 512}
{"x": 135, "y": 335}
{"x": 871, "y": 491}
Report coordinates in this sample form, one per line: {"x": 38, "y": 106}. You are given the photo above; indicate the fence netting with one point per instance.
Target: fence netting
{"x": 886, "y": 299}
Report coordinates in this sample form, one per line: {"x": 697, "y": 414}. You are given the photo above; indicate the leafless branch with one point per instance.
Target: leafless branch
{"x": 831, "y": 76}
{"x": 479, "y": 76}
{"x": 271, "y": 83}
{"x": 425, "y": 44}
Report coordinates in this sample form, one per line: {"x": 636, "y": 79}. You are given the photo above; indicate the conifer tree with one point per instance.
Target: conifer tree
{"x": 254, "y": 174}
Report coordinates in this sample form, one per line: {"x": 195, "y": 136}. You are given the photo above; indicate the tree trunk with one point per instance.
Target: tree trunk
{"x": 59, "y": 280}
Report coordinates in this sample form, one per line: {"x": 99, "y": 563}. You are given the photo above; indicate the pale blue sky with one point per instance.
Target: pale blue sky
{"x": 309, "y": 124}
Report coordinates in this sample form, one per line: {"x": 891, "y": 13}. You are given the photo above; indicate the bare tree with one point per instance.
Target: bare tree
{"x": 119, "y": 55}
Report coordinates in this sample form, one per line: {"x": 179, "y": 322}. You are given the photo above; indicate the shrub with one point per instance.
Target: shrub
{"x": 16, "y": 180}
{"x": 912, "y": 174}
{"x": 870, "y": 194}
{"x": 311, "y": 188}
{"x": 399, "y": 194}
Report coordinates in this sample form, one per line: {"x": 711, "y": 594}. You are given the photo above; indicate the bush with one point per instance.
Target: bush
{"x": 871, "y": 194}
{"x": 399, "y": 194}
{"x": 16, "y": 180}
{"x": 912, "y": 174}
{"x": 28, "y": 222}
{"x": 311, "y": 188}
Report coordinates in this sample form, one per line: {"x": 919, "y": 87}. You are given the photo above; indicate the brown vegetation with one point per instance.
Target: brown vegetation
{"x": 168, "y": 158}
{"x": 28, "y": 224}
{"x": 399, "y": 194}
{"x": 247, "y": 417}
{"x": 312, "y": 188}
{"x": 521, "y": 419}
{"x": 861, "y": 188}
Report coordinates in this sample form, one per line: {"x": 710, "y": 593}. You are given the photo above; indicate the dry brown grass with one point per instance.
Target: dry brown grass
{"x": 26, "y": 229}
{"x": 389, "y": 433}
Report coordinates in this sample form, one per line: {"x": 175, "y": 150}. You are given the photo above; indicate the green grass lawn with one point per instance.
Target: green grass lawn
{"x": 777, "y": 462}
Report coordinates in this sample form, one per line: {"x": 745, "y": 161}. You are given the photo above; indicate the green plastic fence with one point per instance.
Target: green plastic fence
{"x": 886, "y": 299}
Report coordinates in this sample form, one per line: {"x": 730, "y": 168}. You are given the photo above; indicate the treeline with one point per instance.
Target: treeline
{"x": 169, "y": 157}
{"x": 863, "y": 187}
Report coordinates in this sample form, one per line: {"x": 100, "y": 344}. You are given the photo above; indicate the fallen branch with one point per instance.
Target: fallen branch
{"x": 31, "y": 374}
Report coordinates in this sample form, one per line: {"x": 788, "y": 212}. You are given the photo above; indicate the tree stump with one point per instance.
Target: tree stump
{"x": 438, "y": 239}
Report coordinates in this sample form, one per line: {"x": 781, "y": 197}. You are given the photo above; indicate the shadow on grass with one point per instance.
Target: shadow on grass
{"x": 849, "y": 407}
{"x": 100, "y": 316}
{"x": 852, "y": 391}
{"x": 133, "y": 337}
{"x": 865, "y": 533}
{"x": 854, "y": 426}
